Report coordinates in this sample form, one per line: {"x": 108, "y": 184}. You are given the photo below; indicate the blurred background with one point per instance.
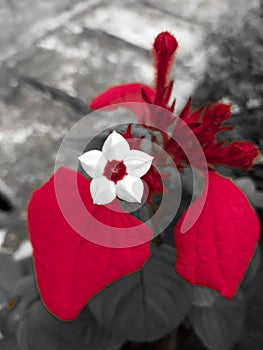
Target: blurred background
{"x": 56, "y": 55}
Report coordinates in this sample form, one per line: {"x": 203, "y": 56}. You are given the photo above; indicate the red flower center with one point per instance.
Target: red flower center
{"x": 115, "y": 170}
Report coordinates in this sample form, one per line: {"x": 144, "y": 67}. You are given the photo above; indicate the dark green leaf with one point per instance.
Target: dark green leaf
{"x": 248, "y": 186}
{"x": 27, "y": 266}
{"x": 23, "y": 294}
{"x": 3, "y": 312}
{"x": 147, "y": 304}
{"x": 252, "y": 334}
{"x": 31, "y": 336}
{"x": 8, "y": 345}
{"x": 26, "y": 291}
{"x": 40, "y": 330}
{"x": 248, "y": 282}
{"x": 203, "y": 296}
{"x": 10, "y": 271}
{"x": 219, "y": 325}
{"x": 193, "y": 343}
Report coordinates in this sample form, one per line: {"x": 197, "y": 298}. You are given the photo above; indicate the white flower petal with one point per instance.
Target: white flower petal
{"x": 102, "y": 190}
{"x": 115, "y": 147}
{"x": 93, "y": 163}
{"x": 138, "y": 163}
{"x": 130, "y": 189}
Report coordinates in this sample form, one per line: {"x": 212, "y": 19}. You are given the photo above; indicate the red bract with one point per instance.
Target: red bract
{"x": 70, "y": 269}
{"x": 217, "y": 249}
{"x": 164, "y": 49}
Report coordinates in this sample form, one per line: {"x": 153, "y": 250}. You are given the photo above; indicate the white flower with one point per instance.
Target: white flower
{"x": 116, "y": 170}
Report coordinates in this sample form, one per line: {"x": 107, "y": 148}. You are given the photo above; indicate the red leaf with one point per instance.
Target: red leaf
{"x": 217, "y": 249}
{"x": 122, "y": 94}
{"x": 70, "y": 269}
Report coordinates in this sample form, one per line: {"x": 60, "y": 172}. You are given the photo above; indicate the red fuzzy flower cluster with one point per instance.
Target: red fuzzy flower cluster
{"x": 205, "y": 123}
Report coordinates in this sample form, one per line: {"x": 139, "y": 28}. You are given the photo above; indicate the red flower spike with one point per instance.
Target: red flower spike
{"x": 243, "y": 154}
{"x": 217, "y": 114}
{"x": 216, "y": 251}
{"x": 206, "y": 123}
{"x": 238, "y": 154}
{"x": 213, "y": 115}
{"x": 70, "y": 270}
{"x": 165, "y": 44}
{"x": 172, "y": 106}
{"x": 186, "y": 112}
{"x": 164, "y": 48}
{"x": 195, "y": 117}
{"x": 167, "y": 94}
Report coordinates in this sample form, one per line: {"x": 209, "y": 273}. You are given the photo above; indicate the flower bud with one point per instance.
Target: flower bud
{"x": 165, "y": 44}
